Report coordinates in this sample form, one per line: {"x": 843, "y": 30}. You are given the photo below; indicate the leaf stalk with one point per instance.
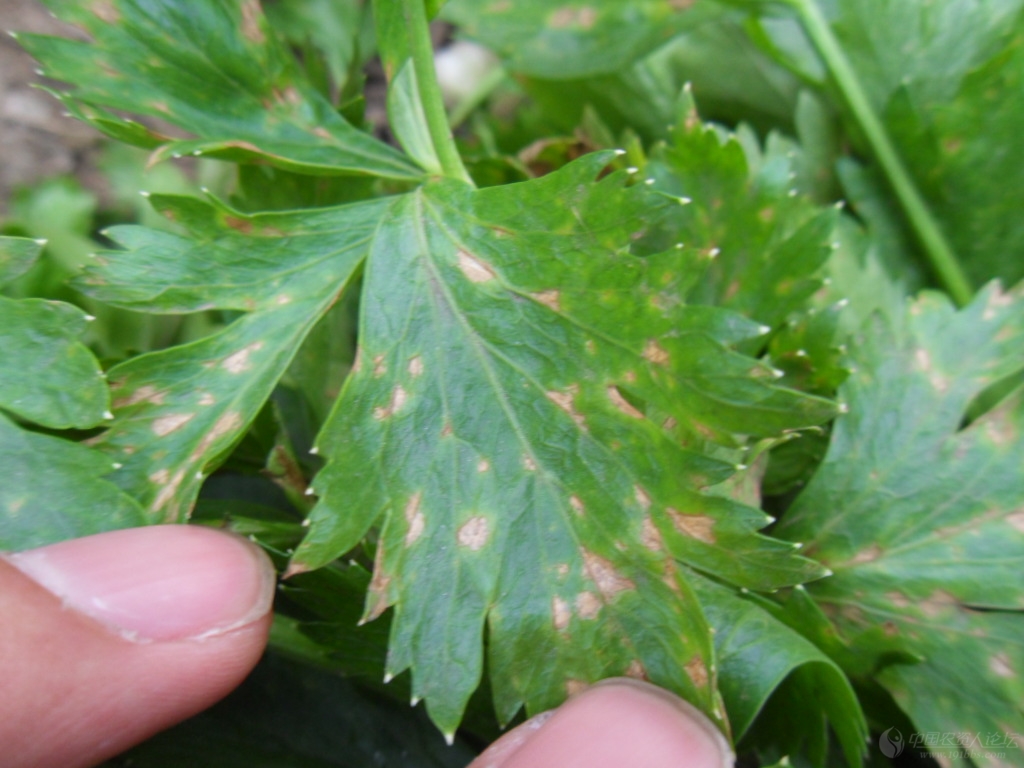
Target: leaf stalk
{"x": 422, "y": 51}
{"x": 929, "y": 234}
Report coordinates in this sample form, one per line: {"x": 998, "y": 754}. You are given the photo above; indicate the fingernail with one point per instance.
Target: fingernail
{"x": 616, "y": 722}
{"x": 159, "y": 583}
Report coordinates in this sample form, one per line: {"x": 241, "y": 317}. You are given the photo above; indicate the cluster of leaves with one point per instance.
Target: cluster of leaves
{"x": 514, "y": 413}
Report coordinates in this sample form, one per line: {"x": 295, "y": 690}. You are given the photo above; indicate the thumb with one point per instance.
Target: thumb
{"x": 108, "y": 639}
{"x": 614, "y": 723}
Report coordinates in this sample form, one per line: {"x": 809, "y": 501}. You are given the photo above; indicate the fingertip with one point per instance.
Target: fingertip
{"x": 617, "y": 722}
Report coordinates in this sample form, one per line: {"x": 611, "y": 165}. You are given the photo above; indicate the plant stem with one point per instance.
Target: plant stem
{"x": 926, "y": 228}
{"x": 430, "y": 92}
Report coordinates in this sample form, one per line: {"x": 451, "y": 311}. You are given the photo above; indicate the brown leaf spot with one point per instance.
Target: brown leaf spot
{"x": 380, "y": 366}
{"x": 414, "y": 518}
{"x": 207, "y": 398}
{"x": 474, "y": 269}
{"x": 167, "y": 424}
{"x": 226, "y": 424}
{"x": 566, "y": 401}
{"x": 643, "y": 499}
{"x": 241, "y": 225}
{"x": 169, "y": 490}
{"x": 898, "y": 599}
{"x": 608, "y": 580}
{"x": 700, "y": 527}
{"x": 446, "y": 430}
{"x": 937, "y": 603}
{"x": 105, "y": 11}
{"x": 868, "y": 555}
{"x": 588, "y": 605}
{"x": 622, "y": 404}
{"x": 322, "y": 132}
{"x": 999, "y": 430}
{"x": 528, "y": 463}
{"x": 651, "y": 536}
{"x": 923, "y": 359}
{"x": 590, "y": 346}
{"x": 474, "y": 533}
{"x": 1016, "y": 520}
{"x": 890, "y": 629}
{"x": 144, "y": 394}
{"x": 483, "y": 465}
{"x": 575, "y": 687}
{"x": 377, "y": 593}
{"x": 160, "y": 477}
{"x": 560, "y": 613}
{"x": 398, "y": 398}
{"x": 654, "y": 353}
{"x": 636, "y": 670}
{"x": 251, "y": 14}
{"x": 1000, "y": 665}
{"x": 698, "y": 671}
{"x": 548, "y": 298}
{"x": 577, "y": 505}
{"x": 239, "y": 361}
{"x": 562, "y": 569}
{"x": 582, "y": 18}
{"x": 416, "y": 366}
{"x": 998, "y": 300}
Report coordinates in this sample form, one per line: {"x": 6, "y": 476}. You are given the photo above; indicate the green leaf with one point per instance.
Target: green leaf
{"x": 47, "y": 375}
{"x": 944, "y": 78}
{"x": 494, "y": 424}
{"x": 919, "y": 516}
{"x": 573, "y": 38}
{"x": 756, "y": 652}
{"x": 406, "y": 115}
{"x": 74, "y": 500}
{"x": 17, "y": 255}
{"x": 244, "y": 98}
{"x": 765, "y": 245}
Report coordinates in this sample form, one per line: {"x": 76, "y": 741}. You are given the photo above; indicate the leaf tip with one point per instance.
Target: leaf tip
{"x": 116, "y": 465}
{"x": 108, "y": 415}
{"x": 619, "y": 152}
{"x": 314, "y": 451}
{"x": 449, "y": 737}
{"x": 388, "y": 676}
{"x": 309, "y": 491}
{"x": 144, "y": 193}
{"x": 12, "y": 33}
{"x": 41, "y": 241}
{"x": 89, "y": 318}
{"x": 294, "y": 569}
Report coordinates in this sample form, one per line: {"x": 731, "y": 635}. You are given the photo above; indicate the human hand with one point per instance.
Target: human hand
{"x": 109, "y": 639}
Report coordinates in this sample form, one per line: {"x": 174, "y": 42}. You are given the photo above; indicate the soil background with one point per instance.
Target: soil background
{"x": 36, "y": 139}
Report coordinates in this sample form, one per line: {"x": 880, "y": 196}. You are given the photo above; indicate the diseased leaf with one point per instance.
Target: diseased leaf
{"x": 73, "y": 501}
{"x": 495, "y": 422}
{"x": 919, "y": 517}
{"x": 179, "y": 409}
{"x": 244, "y": 99}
